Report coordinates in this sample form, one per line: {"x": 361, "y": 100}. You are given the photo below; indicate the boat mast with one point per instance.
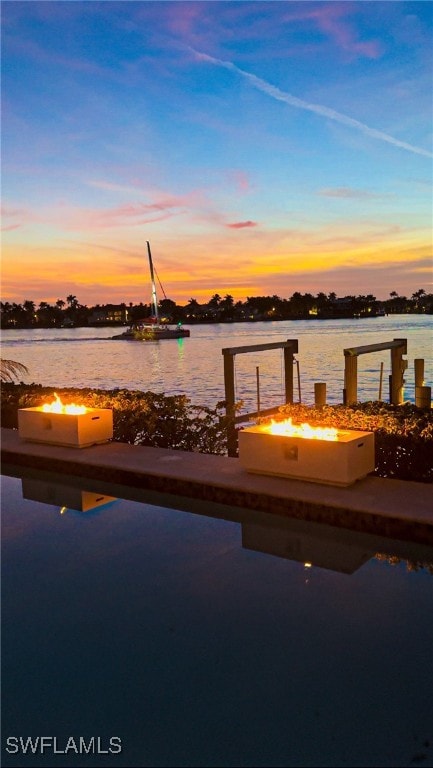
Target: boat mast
{"x": 152, "y": 277}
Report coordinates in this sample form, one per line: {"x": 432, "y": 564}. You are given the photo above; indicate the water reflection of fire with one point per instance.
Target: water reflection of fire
{"x": 288, "y": 429}
{"x": 58, "y": 407}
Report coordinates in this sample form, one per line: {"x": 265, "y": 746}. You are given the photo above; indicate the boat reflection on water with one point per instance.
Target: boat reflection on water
{"x": 64, "y": 496}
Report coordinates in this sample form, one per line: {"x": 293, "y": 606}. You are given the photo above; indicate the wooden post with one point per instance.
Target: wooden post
{"x": 398, "y": 348}
{"x": 290, "y": 347}
{"x": 288, "y": 374}
{"x": 351, "y": 378}
{"x": 423, "y": 397}
{"x": 258, "y": 389}
{"x": 380, "y": 382}
{"x": 299, "y": 382}
{"x": 229, "y": 386}
{"x": 319, "y": 393}
{"x": 419, "y": 372}
{"x": 398, "y": 366}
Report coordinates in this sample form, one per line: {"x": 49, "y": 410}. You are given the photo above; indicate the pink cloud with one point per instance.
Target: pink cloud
{"x": 331, "y": 19}
{"x": 183, "y": 18}
{"x": 201, "y": 27}
{"x": 165, "y": 206}
{"x": 162, "y": 206}
{"x": 242, "y": 224}
{"x": 122, "y": 216}
{"x": 9, "y": 227}
{"x": 241, "y": 180}
{"x": 16, "y": 216}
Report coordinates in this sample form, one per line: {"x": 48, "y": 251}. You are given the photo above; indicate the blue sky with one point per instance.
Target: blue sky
{"x": 261, "y": 147}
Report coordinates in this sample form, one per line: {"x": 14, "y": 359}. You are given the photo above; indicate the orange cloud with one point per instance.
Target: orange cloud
{"x": 195, "y": 264}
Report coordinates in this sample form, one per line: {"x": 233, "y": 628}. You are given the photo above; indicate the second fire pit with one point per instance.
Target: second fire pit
{"x": 320, "y": 455}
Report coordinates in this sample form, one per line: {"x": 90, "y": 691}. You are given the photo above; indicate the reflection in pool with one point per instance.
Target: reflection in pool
{"x": 205, "y": 637}
{"x": 68, "y": 497}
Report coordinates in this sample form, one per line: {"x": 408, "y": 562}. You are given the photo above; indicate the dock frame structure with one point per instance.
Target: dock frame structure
{"x": 290, "y": 347}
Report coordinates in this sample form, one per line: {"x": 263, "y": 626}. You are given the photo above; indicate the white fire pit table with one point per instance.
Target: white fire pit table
{"x": 319, "y": 455}
{"x": 69, "y": 425}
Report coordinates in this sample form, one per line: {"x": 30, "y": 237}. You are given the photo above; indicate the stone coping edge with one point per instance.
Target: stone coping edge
{"x": 390, "y": 508}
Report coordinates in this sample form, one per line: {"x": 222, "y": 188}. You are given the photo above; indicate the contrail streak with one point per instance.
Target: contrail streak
{"x": 293, "y": 101}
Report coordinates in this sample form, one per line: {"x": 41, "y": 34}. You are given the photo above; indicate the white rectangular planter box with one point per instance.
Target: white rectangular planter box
{"x": 63, "y": 495}
{"x": 333, "y": 462}
{"x": 76, "y": 431}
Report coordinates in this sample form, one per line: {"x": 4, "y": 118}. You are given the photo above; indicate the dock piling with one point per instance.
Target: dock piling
{"x": 423, "y": 397}
{"x": 398, "y": 348}
{"x": 422, "y": 393}
{"x": 419, "y": 372}
{"x": 319, "y": 394}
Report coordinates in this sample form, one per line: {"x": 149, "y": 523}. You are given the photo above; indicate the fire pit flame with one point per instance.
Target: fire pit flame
{"x": 57, "y": 407}
{"x": 287, "y": 428}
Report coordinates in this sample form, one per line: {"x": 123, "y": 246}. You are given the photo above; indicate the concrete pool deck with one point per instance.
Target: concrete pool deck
{"x": 392, "y": 508}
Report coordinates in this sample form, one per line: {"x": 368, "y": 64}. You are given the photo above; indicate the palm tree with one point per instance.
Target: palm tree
{"x": 417, "y": 296}
{"x": 214, "y": 301}
{"x": 29, "y": 308}
{"x": 228, "y": 301}
{"x": 10, "y": 370}
{"x": 192, "y": 308}
{"x": 72, "y": 301}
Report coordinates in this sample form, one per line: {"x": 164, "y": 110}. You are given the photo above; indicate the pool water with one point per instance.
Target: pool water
{"x": 158, "y": 627}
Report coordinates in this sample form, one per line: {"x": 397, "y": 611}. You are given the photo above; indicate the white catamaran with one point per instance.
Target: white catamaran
{"x": 151, "y": 329}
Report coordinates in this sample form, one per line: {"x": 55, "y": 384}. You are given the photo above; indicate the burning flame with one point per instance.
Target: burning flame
{"x": 57, "y": 407}
{"x": 289, "y": 429}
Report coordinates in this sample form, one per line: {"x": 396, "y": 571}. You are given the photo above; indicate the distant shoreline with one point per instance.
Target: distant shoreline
{"x": 220, "y": 321}
{"x": 71, "y": 313}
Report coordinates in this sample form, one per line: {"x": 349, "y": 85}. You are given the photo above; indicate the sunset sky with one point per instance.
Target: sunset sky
{"x": 261, "y": 147}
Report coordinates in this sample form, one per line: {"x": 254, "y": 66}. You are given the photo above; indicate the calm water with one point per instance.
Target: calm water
{"x": 194, "y": 366}
{"x": 158, "y": 627}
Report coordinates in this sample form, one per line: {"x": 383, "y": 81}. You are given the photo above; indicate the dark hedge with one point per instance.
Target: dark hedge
{"x": 139, "y": 418}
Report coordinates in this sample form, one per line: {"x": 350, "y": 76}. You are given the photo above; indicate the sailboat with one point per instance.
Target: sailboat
{"x": 152, "y": 329}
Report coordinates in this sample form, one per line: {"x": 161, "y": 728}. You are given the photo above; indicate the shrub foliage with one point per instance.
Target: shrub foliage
{"x": 139, "y": 418}
{"x": 403, "y": 433}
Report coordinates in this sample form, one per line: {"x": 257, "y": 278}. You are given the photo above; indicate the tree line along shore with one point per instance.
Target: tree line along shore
{"x": 71, "y": 313}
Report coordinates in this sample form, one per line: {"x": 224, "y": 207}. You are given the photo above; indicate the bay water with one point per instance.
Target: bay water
{"x": 88, "y": 357}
